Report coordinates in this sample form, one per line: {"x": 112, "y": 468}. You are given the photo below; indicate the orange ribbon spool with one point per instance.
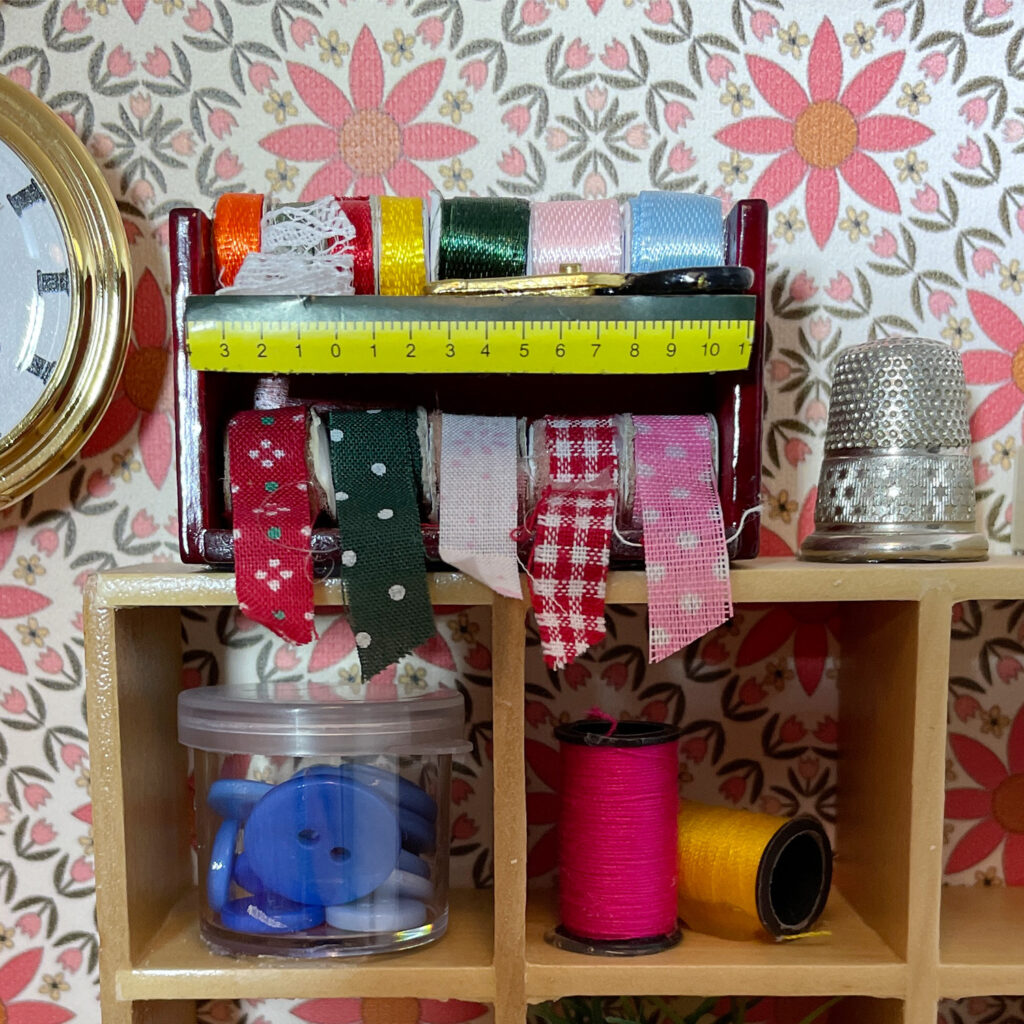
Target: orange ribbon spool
{"x": 236, "y": 232}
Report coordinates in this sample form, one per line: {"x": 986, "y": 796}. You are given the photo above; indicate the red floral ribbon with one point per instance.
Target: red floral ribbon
{"x": 272, "y": 520}
{"x": 569, "y": 561}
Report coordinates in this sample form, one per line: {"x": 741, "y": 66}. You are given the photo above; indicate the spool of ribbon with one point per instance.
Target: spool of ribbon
{"x": 583, "y": 231}
{"x": 685, "y": 556}
{"x": 382, "y": 558}
{"x": 358, "y": 212}
{"x": 272, "y": 520}
{"x": 743, "y": 874}
{"x": 479, "y": 504}
{"x": 617, "y": 837}
{"x": 400, "y": 248}
{"x": 568, "y": 564}
{"x": 483, "y": 237}
{"x": 236, "y": 233}
{"x": 674, "y": 229}
{"x": 304, "y": 249}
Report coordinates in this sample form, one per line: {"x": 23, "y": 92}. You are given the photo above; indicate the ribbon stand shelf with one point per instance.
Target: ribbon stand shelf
{"x": 205, "y": 400}
{"x": 897, "y": 940}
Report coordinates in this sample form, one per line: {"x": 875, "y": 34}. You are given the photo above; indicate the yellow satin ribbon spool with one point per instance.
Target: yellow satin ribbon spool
{"x": 401, "y": 258}
{"x": 744, "y": 875}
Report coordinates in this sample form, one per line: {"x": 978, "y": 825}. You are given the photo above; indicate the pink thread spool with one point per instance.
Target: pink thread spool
{"x": 617, "y": 838}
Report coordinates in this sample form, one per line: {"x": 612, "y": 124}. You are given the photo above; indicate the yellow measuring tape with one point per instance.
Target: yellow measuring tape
{"x": 254, "y": 336}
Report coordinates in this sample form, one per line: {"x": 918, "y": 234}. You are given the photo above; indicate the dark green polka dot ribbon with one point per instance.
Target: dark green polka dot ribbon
{"x": 382, "y": 556}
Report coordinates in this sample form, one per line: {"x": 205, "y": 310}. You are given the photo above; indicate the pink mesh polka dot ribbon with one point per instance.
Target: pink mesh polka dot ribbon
{"x": 569, "y": 561}
{"x": 272, "y": 520}
{"x": 687, "y": 566}
{"x": 479, "y": 503}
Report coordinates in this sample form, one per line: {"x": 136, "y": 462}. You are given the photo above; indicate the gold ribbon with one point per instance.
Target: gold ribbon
{"x": 401, "y": 263}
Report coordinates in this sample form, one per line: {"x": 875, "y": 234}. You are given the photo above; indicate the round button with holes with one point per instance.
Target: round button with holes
{"x": 322, "y": 839}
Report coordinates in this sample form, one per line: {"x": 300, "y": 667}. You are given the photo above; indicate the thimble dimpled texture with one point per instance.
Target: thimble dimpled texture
{"x": 898, "y": 393}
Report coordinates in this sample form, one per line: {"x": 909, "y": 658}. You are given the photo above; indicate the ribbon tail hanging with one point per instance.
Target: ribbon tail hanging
{"x": 686, "y": 561}
{"x": 569, "y": 561}
{"x": 478, "y": 499}
{"x": 382, "y": 558}
{"x": 272, "y": 518}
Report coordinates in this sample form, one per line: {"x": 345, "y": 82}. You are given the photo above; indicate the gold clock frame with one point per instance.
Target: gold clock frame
{"x": 83, "y": 382}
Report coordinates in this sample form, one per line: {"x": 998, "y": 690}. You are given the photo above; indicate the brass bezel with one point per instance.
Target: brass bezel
{"x": 83, "y": 382}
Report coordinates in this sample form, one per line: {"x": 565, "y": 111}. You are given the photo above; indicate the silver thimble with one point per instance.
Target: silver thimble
{"x": 896, "y": 482}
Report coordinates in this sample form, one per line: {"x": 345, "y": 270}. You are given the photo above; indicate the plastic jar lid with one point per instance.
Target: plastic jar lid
{"x": 238, "y": 719}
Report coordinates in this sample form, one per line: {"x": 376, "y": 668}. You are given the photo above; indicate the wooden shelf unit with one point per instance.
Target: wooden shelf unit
{"x": 898, "y": 941}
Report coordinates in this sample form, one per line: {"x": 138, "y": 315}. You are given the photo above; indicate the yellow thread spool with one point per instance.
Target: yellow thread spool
{"x": 743, "y": 874}
{"x": 401, "y": 260}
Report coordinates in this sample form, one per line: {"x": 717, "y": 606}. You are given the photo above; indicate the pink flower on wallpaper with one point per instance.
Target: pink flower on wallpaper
{"x": 1005, "y": 367}
{"x": 808, "y": 625}
{"x": 15, "y": 603}
{"x": 143, "y": 393}
{"x": 388, "y": 1011}
{"x": 998, "y": 804}
{"x": 370, "y": 141}
{"x": 15, "y": 976}
{"x": 826, "y": 135}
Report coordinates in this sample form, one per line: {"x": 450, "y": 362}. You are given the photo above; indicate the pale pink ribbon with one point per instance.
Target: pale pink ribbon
{"x": 687, "y": 565}
{"x": 583, "y": 231}
{"x": 479, "y": 505}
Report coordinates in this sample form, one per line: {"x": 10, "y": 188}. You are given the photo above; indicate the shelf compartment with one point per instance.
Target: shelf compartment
{"x": 982, "y": 942}
{"x": 178, "y": 965}
{"x": 853, "y": 960}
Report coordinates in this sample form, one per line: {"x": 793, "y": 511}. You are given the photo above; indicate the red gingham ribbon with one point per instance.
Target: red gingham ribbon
{"x": 272, "y": 520}
{"x": 569, "y": 562}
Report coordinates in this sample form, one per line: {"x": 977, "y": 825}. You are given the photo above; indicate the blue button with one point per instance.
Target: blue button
{"x": 410, "y": 796}
{"x": 417, "y": 833}
{"x": 235, "y": 798}
{"x": 269, "y": 914}
{"x": 388, "y": 785}
{"x": 246, "y": 877}
{"x": 377, "y": 916}
{"x": 222, "y": 861}
{"x": 405, "y": 883}
{"x": 415, "y": 865}
{"x": 321, "y": 839}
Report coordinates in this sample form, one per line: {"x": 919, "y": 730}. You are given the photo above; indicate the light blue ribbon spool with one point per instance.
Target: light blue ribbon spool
{"x": 675, "y": 229}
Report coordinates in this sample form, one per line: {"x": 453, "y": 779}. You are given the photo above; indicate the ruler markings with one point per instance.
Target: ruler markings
{"x": 523, "y": 346}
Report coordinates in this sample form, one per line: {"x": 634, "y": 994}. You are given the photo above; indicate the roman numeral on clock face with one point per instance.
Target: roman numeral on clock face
{"x": 41, "y": 368}
{"x": 23, "y": 199}
{"x": 53, "y": 282}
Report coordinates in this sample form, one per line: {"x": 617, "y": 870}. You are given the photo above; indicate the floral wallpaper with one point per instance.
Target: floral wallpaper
{"x": 888, "y": 139}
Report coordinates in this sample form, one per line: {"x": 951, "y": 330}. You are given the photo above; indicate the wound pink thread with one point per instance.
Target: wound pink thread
{"x": 617, "y": 840}
{"x": 583, "y": 231}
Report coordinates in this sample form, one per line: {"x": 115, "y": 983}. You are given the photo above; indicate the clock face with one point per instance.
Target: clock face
{"x": 35, "y": 290}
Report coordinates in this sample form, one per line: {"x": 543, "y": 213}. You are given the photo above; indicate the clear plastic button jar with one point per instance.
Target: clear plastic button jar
{"x": 322, "y": 828}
